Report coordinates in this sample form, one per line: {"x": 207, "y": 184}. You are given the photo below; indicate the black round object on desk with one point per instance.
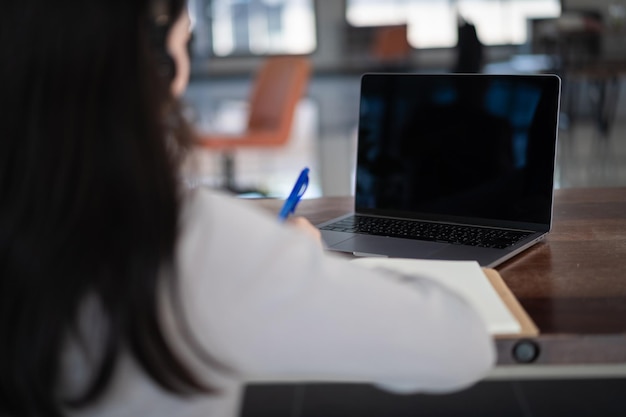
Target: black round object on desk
{"x": 525, "y": 351}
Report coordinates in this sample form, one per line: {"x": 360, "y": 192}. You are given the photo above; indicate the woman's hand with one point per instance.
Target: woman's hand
{"x": 306, "y": 226}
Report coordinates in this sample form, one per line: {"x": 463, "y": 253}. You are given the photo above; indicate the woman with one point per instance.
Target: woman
{"x": 122, "y": 293}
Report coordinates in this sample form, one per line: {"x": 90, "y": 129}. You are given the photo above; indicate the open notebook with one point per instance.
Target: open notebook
{"x": 483, "y": 288}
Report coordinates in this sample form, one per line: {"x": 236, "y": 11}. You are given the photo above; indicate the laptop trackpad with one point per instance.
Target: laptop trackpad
{"x": 392, "y": 247}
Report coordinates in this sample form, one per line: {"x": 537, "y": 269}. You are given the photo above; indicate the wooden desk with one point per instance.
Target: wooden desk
{"x": 573, "y": 285}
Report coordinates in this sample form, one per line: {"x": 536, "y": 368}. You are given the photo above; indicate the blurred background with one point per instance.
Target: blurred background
{"x": 583, "y": 41}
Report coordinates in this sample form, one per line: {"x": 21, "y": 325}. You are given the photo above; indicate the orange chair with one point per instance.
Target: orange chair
{"x": 278, "y": 87}
{"x": 390, "y": 47}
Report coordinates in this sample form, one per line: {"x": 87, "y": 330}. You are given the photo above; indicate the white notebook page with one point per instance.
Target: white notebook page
{"x": 466, "y": 278}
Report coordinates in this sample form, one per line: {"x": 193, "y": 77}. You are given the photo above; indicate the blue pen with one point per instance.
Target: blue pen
{"x": 296, "y": 194}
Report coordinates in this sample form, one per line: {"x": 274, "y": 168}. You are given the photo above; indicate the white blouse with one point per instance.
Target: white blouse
{"x": 266, "y": 301}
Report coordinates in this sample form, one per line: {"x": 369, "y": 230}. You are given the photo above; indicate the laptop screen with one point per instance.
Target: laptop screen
{"x": 458, "y": 147}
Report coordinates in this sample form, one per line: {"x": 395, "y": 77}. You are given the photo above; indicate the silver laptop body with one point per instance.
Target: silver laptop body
{"x": 451, "y": 166}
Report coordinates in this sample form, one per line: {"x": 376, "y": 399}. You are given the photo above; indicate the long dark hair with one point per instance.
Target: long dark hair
{"x": 90, "y": 140}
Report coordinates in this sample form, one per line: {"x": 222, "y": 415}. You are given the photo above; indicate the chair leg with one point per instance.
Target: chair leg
{"x": 228, "y": 177}
{"x": 228, "y": 171}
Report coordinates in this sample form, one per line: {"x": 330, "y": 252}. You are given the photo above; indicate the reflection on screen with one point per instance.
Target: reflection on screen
{"x": 463, "y": 146}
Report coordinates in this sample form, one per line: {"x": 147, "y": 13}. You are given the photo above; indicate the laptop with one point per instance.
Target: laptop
{"x": 451, "y": 166}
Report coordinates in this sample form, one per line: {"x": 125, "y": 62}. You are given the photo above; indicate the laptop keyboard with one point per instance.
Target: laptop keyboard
{"x": 437, "y": 232}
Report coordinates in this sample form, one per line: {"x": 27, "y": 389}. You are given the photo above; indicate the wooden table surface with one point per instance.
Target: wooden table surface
{"x": 573, "y": 284}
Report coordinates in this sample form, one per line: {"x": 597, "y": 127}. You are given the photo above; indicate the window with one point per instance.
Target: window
{"x": 432, "y": 23}
{"x": 260, "y": 27}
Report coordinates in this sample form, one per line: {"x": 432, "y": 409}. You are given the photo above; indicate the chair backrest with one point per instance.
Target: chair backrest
{"x": 278, "y": 87}
{"x": 390, "y": 44}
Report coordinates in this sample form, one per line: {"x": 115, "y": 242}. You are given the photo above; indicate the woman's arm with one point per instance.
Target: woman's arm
{"x": 268, "y": 302}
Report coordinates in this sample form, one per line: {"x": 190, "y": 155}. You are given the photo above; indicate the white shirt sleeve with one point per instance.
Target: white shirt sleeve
{"x": 268, "y": 302}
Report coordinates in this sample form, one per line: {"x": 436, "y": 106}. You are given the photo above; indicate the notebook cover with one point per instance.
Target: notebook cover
{"x": 528, "y": 327}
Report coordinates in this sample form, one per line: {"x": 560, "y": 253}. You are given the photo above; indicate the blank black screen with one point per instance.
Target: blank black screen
{"x": 458, "y": 146}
